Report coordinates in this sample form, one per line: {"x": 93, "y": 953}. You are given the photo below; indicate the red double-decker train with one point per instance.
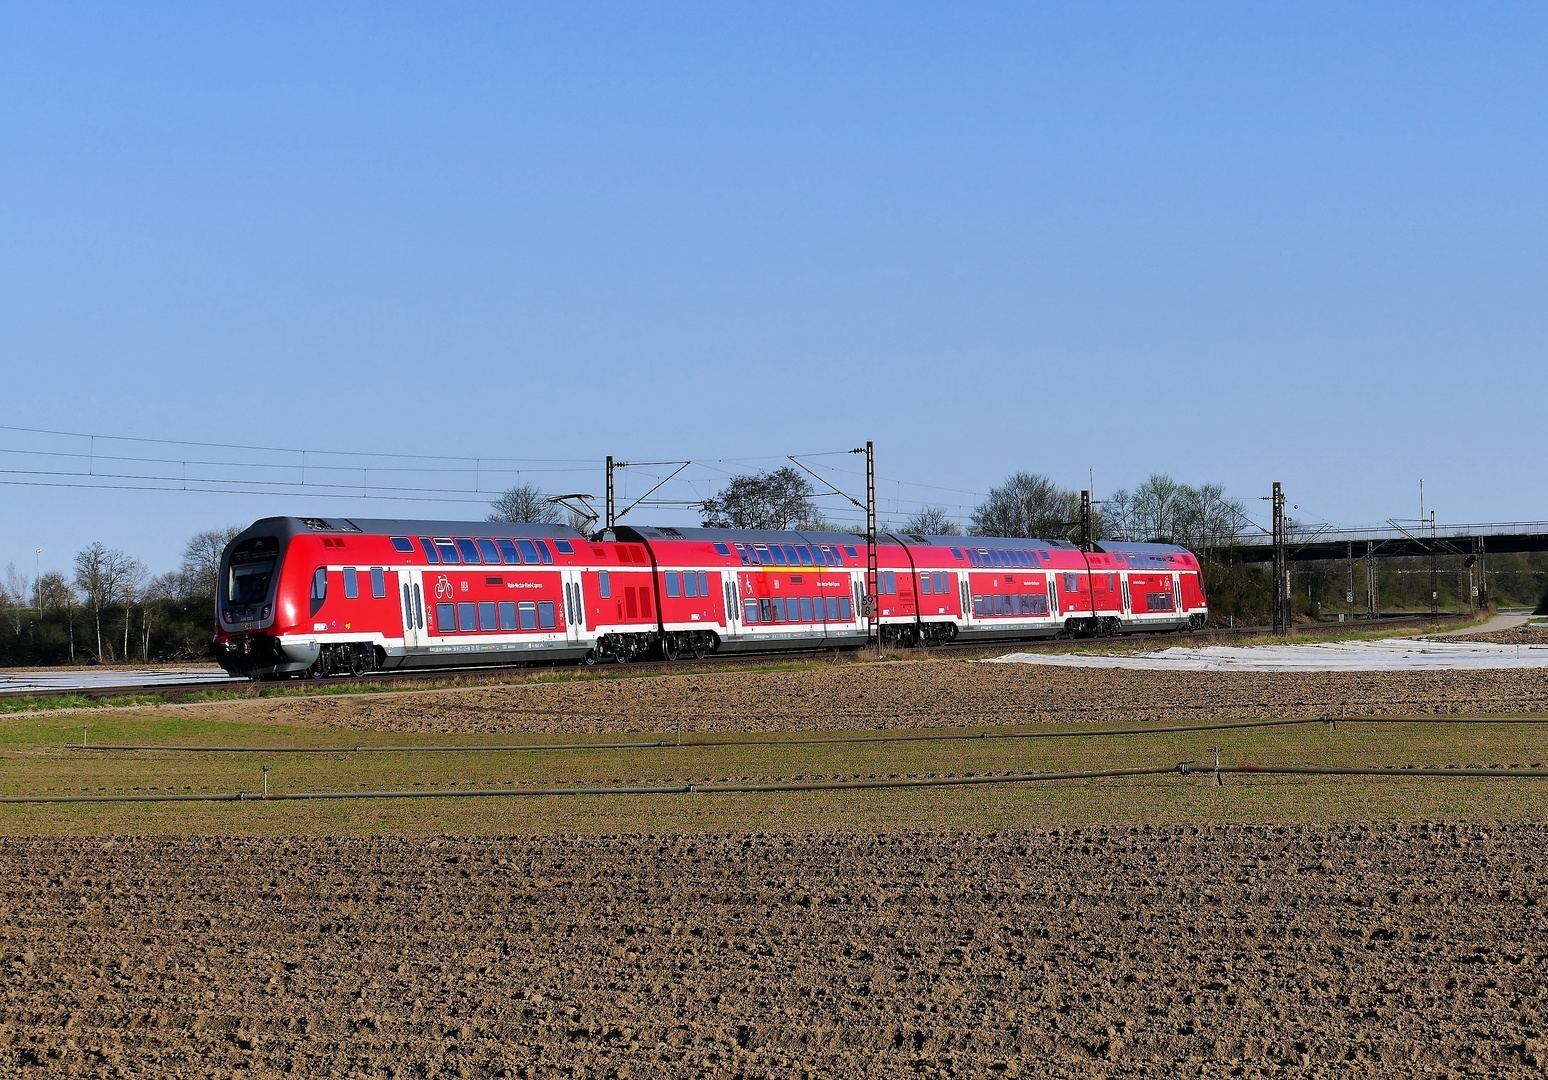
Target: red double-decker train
{"x": 315, "y": 596}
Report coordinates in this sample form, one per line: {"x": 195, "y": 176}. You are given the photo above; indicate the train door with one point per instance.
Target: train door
{"x": 733, "y": 605}
{"x": 411, "y": 586}
{"x": 574, "y": 607}
{"x": 1053, "y": 596}
{"x": 1177, "y": 596}
{"x": 965, "y": 594}
{"x": 1123, "y": 580}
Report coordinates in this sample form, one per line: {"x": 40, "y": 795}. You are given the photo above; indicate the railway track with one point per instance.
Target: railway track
{"x": 96, "y": 683}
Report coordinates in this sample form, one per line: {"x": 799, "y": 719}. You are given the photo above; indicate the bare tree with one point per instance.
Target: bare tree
{"x": 107, "y": 577}
{"x": 1201, "y": 518}
{"x": 15, "y": 596}
{"x": 932, "y": 521}
{"x": 200, "y": 567}
{"x": 55, "y": 594}
{"x": 781, "y": 499}
{"x": 525, "y": 502}
{"x": 1028, "y": 504}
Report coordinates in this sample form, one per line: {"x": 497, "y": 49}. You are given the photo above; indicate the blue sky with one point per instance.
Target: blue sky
{"x": 1228, "y": 242}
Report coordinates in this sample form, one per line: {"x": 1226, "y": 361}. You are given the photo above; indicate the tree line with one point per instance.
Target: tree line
{"x": 110, "y": 609}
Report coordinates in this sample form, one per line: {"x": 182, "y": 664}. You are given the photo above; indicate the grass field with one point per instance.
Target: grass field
{"x": 36, "y": 761}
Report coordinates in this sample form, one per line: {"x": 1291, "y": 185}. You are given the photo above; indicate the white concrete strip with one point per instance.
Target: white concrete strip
{"x": 1392, "y": 654}
{"x": 97, "y": 680}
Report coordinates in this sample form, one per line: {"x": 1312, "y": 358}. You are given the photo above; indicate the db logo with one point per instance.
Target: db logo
{"x": 443, "y": 588}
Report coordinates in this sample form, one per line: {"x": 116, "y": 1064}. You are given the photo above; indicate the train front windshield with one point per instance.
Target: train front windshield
{"x": 251, "y": 571}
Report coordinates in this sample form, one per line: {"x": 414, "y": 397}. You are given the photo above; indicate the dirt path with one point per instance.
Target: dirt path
{"x": 1399, "y": 950}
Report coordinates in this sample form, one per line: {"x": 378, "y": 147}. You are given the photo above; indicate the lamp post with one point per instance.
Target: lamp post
{"x": 37, "y": 580}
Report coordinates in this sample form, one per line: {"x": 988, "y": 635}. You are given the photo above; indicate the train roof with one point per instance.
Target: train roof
{"x": 1125, "y": 547}
{"x": 301, "y": 526}
{"x": 736, "y": 536}
{"x": 986, "y": 542}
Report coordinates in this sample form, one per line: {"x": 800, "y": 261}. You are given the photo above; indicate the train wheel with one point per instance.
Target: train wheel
{"x": 358, "y": 664}
{"x": 670, "y": 647}
{"x": 700, "y": 649}
{"x": 590, "y": 659}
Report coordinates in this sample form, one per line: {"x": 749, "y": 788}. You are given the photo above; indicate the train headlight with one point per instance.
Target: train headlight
{"x": 266, "y": 610}
{"x": 228, "y": 617}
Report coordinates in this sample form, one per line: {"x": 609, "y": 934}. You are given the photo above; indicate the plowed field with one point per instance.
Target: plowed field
{"x": 922, "y": 694}
{"x": 1402, "y": 950}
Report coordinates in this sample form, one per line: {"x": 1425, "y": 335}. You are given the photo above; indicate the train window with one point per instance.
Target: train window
{"x": 779, "y": 608}
{"x": 956, "y": 553}
{"x": 378, "y": 583}
{"x": 486, "y": 616}
{"x": 469, "y": 550}
{"x": 942, "y": 582}
{"x": 408, "y": 608}
{"x": 446, "y": 616}
{"x": 766, "y": 610}
{"x": 819, "y": 556}
{"x": 528, "y": 551}
{"x": 467, "y": 617}
{"x": 673, "y": 583}
{"x": 831, "y": 602}
{"x": 430, "y": 553}
{"x": 740, "y": 550}
{"x": 542, "y": 546}
{"x": 690, "y": 583}
{"x": 419, "y": 610}
{"x": 704, "y": 583}
{"x": 351, "y": 584}
{"x": 890, "y": 582}
{"x": 924, "y": 584}
{"x": 790, "y": 554}
{"x": 546, "y": 615}
{"x": 749, "y": 611}
{"x": 564, "y": 547}
{"x": 850, "y": 551}
{"x": 844, "y": 609}
{"x": 403, "y": 544}
{"x": 528, "y": 612}
{"x": 319, "y": 588}
{"x": 806, "y": 556}
{"x": 978, "y": 605}
{"x": 604, "y": 587}
{"x": 722, "y": 549}
{"x": 448, "y": 551}
{"x": 1112, "y": 582}
{"x": 837, "y": 554}
{"x": 507, "y": 552}
{"x": 760, "y": 555}
{"x": 507, "y": 614}
{"x": 806, "y": 609}
{"x": 1022, "y": 559}
{"x": 777, "y": 554}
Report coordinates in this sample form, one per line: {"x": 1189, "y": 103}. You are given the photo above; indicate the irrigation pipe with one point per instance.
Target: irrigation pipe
{"x": 850, "y": 739}
{"x": 667, "y": 789}
{"x": 1182, "y": 768}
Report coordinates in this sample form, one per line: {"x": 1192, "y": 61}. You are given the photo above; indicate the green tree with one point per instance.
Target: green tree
{"x": 781, "y": 499}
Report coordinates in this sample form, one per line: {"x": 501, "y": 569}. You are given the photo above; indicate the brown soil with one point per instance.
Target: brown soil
{"x": 922, "y": 694}
{"x": 1516, "y": 635}
{"x": 1397, "y": 950}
